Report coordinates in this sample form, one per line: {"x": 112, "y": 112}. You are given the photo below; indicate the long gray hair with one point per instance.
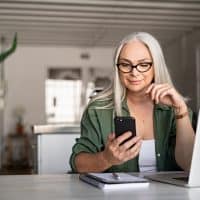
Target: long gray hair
{"x": 117, "y": 92}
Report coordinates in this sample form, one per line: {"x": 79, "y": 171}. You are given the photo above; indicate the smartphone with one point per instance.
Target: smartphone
{"x": 124, "y": 124}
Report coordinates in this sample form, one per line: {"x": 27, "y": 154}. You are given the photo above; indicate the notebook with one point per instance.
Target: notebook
{"x": 113, "y": 180}
{"x": 191, "y": 179}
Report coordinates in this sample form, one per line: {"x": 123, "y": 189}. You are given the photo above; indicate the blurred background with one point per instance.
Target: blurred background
{"x": 56, "y": 54}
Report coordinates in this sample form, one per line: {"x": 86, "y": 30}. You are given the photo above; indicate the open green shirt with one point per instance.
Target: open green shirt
{"x": 97, "y": 124}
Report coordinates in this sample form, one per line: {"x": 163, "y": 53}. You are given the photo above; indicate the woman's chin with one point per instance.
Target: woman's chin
{"x": 137, "y": 90}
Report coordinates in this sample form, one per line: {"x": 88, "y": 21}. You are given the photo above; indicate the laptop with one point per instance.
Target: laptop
{"x": 191, "y": 179}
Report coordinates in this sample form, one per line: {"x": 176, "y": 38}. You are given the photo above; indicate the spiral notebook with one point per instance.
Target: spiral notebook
{"x": 113, "y": 180}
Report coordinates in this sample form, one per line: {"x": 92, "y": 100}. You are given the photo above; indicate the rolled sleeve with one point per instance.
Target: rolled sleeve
{"x": 90, "y": 140}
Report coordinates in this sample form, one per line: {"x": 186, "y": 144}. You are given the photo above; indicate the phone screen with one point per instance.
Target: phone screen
{"x": 124, "y": 124}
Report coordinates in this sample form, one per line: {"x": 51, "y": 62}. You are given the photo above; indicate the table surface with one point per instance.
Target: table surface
{"x": 68, "y": 186}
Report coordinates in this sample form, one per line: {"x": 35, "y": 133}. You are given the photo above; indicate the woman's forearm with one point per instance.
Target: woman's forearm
{"x": 184, "y": 142}
{"x": 91, "y": 162}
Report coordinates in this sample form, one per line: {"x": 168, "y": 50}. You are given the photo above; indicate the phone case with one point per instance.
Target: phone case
{"x": 124, "y": 124}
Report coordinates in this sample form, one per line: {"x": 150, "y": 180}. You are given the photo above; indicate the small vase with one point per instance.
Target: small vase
{"x": 19, "y": 128}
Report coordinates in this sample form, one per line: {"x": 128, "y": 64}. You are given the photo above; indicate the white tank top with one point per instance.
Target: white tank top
{"x": 147, "y": 156}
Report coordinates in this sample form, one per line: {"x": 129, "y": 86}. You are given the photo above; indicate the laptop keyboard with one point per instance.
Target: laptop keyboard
{"x": 185, "y": 179}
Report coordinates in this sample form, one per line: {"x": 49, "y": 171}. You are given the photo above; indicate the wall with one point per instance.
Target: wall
{"x": 26, "y": 70}
{"x": 26, "y": 73}
{"x": 181, "y": 60}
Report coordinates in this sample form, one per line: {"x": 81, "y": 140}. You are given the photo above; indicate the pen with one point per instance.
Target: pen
{"x": 115, "y": 176}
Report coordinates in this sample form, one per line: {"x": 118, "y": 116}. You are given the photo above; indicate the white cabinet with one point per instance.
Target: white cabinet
{"x": 53, "y": 148}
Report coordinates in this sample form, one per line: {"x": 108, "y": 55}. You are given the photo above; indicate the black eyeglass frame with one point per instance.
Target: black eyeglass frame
{"x": 135, "y": 66}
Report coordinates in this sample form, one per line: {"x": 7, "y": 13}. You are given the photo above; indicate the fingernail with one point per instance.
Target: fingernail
{"x": 138, "y": 137}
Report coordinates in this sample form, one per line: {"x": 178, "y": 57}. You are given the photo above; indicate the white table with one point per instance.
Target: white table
{"x": 68, "y": 186}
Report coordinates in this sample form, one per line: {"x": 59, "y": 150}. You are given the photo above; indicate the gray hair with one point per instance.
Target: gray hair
{"x": 117, "y": 92}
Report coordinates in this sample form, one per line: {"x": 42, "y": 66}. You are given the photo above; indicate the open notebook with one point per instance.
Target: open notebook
{"x": 111, "y": 181}
{"x": 191, "y": 179}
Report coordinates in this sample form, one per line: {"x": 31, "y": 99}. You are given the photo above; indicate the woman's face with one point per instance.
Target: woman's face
{"x": 135, "y": 53}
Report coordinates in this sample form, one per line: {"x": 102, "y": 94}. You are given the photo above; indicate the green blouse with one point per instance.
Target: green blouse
{"x": 97, "y": 123}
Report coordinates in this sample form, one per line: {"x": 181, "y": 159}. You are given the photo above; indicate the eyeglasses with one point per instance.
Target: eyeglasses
{"x": 127, "y": 67}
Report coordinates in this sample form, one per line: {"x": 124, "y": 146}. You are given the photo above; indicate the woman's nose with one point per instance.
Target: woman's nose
{"x": 135, "y": 72}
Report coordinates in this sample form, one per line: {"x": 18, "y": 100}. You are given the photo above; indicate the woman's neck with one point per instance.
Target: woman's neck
{"x": 138, "y": 99}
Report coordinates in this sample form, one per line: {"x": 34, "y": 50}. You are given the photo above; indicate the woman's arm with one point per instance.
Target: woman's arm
{"x": 113, "y": 154}
{"x": 184, "y": 139}
{"x": 91, "y": 162}
{"x": 166, "y": 94}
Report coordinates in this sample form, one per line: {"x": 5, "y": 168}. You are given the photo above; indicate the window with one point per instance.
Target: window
{"x": 68, "y": 91}
{"x": 63, "y": 98}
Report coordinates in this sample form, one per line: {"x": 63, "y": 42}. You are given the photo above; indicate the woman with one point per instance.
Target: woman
{"x": 142, "y": 89}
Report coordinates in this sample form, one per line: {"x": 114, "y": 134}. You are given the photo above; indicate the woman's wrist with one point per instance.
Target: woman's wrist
{"x": 180, "y": 111}
{"x": 104, "y": 160}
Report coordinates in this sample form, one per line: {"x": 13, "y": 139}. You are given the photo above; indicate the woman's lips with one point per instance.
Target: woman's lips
{"x": 135, "y": 82}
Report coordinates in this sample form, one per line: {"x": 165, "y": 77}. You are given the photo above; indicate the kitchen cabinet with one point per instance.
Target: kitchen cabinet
{"x": 52, "y": 148}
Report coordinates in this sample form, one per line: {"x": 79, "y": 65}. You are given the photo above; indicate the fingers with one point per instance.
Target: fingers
{"x": 165, "y": 91}
{"x": 128, "y": 150}
{"x": 117, "y": 153}
{"x": 111, "y": 143}
{"x": 111, "y": 137}
{"x": 162, "y": 93}
{"x": 149, "y": 88}
{"x": 134, "y": 151}
{"x": 129, "y": 143}
{"x": 123, "y": 137}
{"x": 114, "y": 143}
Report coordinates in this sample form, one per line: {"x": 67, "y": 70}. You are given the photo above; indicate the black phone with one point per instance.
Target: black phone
{"x": 124, "y": 124}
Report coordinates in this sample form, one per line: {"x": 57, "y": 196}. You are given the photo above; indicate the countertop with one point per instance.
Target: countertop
{"x": 68, "y": 186}
{"x": 56, "y": 129}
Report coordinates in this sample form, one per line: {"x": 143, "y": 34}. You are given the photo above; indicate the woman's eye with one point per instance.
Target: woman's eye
{"x": 144, "y": 64}
{"x": 125, "y": 64}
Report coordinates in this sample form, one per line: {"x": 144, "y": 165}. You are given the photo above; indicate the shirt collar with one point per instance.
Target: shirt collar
{"x": 124, "y": 105}
{"x": 156, "y": 106}
{"x": 161, "y": 107}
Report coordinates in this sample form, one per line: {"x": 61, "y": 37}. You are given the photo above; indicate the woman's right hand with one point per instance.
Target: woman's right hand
{"x": 116, "y": 154}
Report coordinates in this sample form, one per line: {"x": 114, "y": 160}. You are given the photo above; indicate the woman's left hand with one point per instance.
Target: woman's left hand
{"x": 165, "y": 94}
